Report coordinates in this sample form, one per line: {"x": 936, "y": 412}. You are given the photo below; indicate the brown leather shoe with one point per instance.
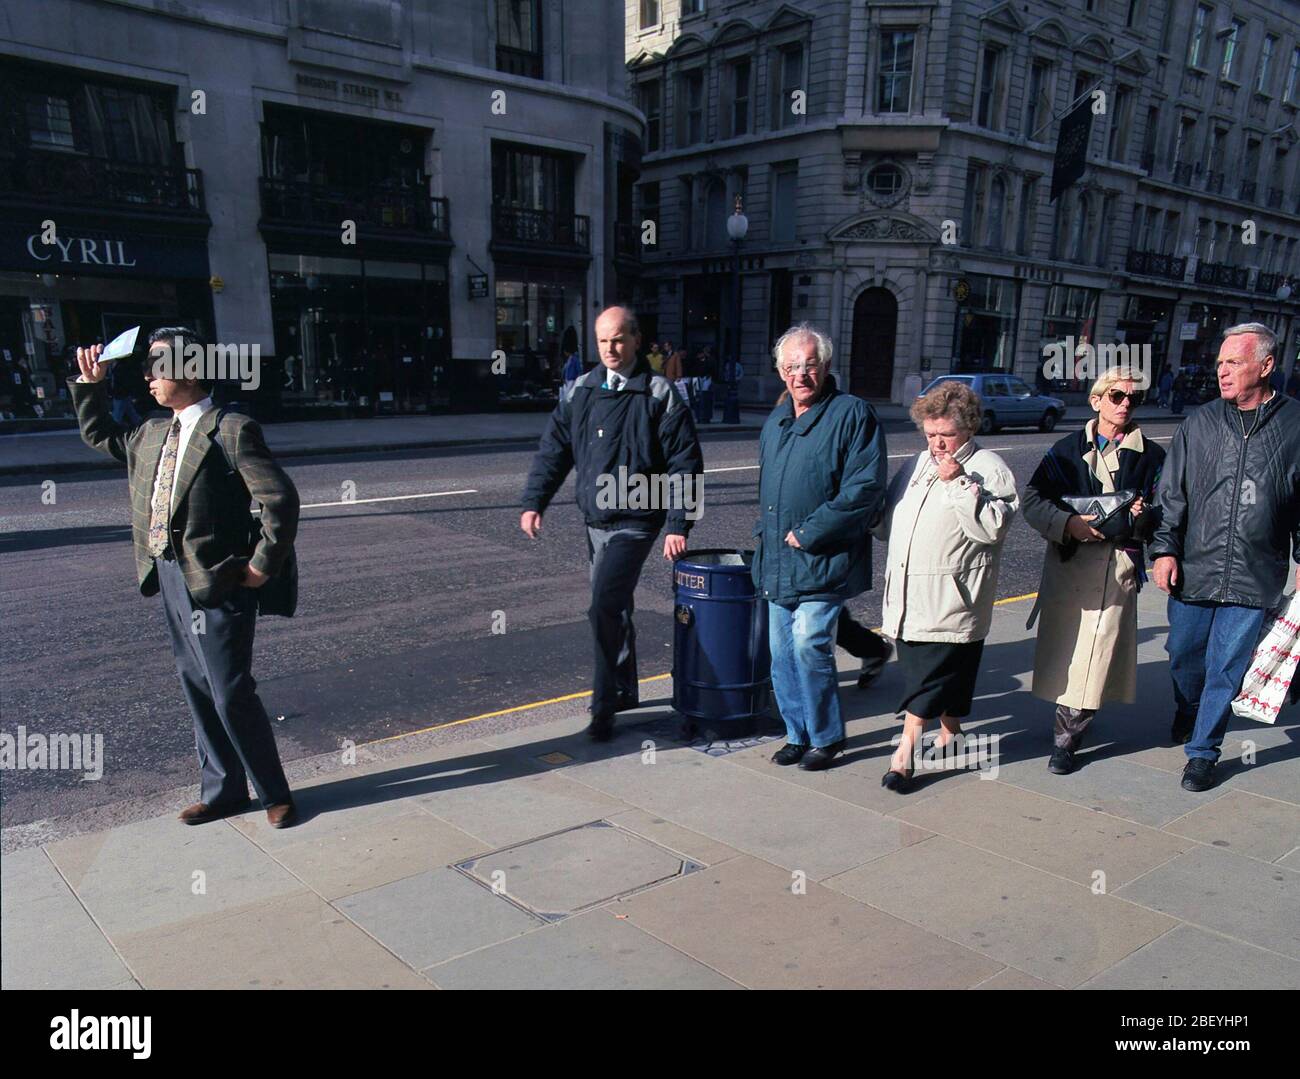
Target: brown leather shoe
{"x": 202, "y": 813}
{"x": 282, "y": 816}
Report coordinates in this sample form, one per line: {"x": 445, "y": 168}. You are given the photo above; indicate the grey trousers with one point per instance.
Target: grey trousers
{"x": 617, "y": 556}
{"x": 232, "y": 731}
{"x": 1069, "y": 725}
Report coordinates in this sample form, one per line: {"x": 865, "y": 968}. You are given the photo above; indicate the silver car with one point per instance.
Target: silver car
{"x": 1008, "y": 402}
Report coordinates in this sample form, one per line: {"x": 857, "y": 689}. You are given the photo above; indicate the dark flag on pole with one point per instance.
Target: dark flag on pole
{"x": 1072, "y": 147}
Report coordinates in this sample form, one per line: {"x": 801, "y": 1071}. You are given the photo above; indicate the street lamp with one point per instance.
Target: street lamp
{"x": 737, "y": 228}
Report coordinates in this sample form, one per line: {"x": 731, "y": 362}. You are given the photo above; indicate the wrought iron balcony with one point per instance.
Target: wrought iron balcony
{"x": 400, "y": 210}
{"x": 78, "y": 179}
{"x": 1269, "y": 282}
{"x": 627, "y": 239}
{"x": 1153, "y": 264}
{"x": 540, "y": 228}
{"x": 1248, "y": 189}
{"x": 1222, "y": 275}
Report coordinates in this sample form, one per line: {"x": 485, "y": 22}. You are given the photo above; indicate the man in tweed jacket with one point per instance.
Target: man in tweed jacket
{"x": 200, "y": 546}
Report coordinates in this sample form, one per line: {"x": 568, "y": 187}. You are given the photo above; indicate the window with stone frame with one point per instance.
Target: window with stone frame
{"x": 895, "y": 61}
{"x": 988, "y": 112}
{"x": 650, "y": 100}
{"x": 973, "y": 208}
{"x": 1264, "y": 70}
{"x": 690, "y": 107}
{"x": 736, "y": 97}
{"x": 1232, "y": 44}
{"x": 993, "y": 236}
{"x": 1121, "y": 121}
{"x": 1198, "y": 43}
{"x": 787, "y": 63}
{"x": 1038, "y": 101}
{"x": 1028, "y": 215}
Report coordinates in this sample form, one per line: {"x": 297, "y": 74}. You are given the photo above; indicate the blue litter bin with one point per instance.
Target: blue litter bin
{"x": 721, "y": 665}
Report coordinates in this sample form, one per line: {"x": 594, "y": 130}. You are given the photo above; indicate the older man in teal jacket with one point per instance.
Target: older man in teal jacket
{"x": 823, "y": 472}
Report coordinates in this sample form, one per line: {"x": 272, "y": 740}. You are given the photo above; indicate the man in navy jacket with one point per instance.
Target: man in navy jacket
{"x": 630, "y": 438}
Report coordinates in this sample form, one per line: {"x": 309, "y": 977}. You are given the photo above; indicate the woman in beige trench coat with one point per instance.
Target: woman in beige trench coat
{"x": 1087, "y": 639}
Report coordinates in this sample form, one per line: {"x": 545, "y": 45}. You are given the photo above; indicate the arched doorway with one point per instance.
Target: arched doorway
{"x": 875, "y": 324}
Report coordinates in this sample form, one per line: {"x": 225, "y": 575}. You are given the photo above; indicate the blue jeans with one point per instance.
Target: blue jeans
{"x": 1210, "y": 647}
{"x": 804, "y": 678}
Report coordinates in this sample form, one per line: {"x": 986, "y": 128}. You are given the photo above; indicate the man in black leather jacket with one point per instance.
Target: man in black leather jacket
{"x": 1230, "y": 505}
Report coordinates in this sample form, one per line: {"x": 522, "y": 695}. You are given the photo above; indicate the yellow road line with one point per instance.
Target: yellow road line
{"x": 577, "y": 696}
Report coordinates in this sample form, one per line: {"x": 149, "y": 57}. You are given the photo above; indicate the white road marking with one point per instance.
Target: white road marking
{"x": 388, "y": 498}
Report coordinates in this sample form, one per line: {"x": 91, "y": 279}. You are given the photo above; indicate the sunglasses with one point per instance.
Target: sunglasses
{"x": 1117, "y": 397}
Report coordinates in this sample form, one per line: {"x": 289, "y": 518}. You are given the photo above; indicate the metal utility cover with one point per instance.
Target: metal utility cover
{"x": 561, "y": 874}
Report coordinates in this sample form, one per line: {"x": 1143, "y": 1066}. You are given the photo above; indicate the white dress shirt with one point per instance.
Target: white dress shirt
{"x": 189, "y": 416}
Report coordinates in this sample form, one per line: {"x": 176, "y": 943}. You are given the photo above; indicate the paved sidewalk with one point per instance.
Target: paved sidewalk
{"x": 538, "y": 859}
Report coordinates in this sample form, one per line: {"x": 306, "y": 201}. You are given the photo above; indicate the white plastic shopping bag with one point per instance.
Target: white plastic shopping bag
{"x": 1264, "y": 689}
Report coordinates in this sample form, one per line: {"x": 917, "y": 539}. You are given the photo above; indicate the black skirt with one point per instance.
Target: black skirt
{"x": 938, "y": 677}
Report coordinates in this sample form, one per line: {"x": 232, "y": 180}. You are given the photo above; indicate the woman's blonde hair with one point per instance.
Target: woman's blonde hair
{"x": 1112, "y": 375}
{"x": 950, "y": 400}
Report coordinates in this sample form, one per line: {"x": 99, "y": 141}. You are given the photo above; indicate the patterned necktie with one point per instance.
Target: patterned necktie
{"x": 160, "y": 513}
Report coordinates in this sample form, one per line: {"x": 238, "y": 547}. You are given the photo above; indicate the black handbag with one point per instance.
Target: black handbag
{"x": 1112, "y": 512}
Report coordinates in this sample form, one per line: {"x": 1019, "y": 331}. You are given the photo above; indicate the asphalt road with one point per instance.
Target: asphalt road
{"x": 402, "y": 589}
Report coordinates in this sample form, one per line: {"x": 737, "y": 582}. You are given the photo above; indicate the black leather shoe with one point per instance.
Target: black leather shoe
{"x": 1181, "y": 732}
{"x": 789, "y": 754}
{"x": 820, "y": 757}
{"x": 899, "y": 782}
{"x": 601, "y": 727}
{"x": 872, "y": 666}
{"x": 1198, "y": 775}
{"x": 1061, "y": 762}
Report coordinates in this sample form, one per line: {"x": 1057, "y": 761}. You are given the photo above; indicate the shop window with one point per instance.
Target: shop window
{"x": 984, "y": 337}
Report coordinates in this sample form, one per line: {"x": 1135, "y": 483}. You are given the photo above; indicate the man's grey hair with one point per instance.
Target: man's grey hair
{"x": 804, "y": 331}
{"x": 630, "y": 323}
{"x": 1265, "y": 338}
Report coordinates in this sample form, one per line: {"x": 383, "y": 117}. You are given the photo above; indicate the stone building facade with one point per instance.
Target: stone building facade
{"x": 895, "y": 161}
{"x": 210, "y": 153}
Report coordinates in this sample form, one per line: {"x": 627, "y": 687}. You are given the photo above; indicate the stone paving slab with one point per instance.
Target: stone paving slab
{"x": 435, "y": 916}
{"x": 595, "y": 950}
{"x": 761, "y": 815}
{"x": 525, "y": 807}
{"x": 1058, "y": 837}
{"x": 560, "y": 874}
{"x": 692, "y": 845}
{"x": 1113, "y": 785}
{"x": 1244, "y": 823}
{"x": 293, "y": 942}
{"x": 376, "y": 852}
{"x": 47, "y": 940}
{"x": 142, "y": 876}
{"x": 1231, "y": 894}
{"x": 1023, "y": 917}
{"x": 1188, "y": 957}
{"x": 818, "y": 939}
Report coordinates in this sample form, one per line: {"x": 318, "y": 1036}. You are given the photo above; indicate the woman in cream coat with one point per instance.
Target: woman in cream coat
{"x": 946, "y": 518}
{"x": 1087, "y": 640}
